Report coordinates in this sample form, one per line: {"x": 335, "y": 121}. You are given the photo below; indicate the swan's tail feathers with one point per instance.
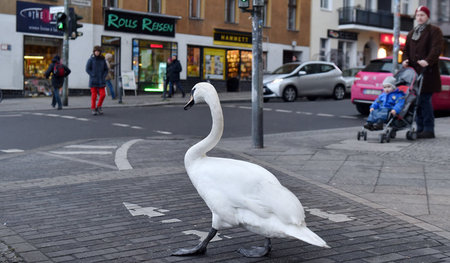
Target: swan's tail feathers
{"x": 304, "y": 234}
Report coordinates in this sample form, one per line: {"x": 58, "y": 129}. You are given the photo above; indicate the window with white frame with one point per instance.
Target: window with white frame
{"x": 154, "y": 6}
{"x": 230, "y": 11}
{"x": 110, "y": 3}
{"x": 325, "y": 4}
{"x": 292, "y": 14}
{"x": 323, "y": 52}
{"x": 265, "y": 13}
{"x": 195, "y": 8}
{"x": 443, "y": 15}
{"x": 404, "y": 9}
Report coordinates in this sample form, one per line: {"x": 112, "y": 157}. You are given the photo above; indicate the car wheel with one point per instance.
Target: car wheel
{"x": 290, "y": 94}
{"x": 266, "y": 99}
{"x": 339, "y": 92}
{"x": 364, "y": 109}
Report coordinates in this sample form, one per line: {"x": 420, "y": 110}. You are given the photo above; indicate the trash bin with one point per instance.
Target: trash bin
{"x": 233, "y": 85}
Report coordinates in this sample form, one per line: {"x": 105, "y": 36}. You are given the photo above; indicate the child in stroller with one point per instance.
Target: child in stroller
{"x": 403, "y": 117}
{"x": 391, "y": 101}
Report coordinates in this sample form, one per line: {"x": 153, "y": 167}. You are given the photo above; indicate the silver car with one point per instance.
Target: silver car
{"x": 310, "y": 79}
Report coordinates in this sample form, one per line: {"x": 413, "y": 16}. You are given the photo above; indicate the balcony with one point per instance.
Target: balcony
{"x": 358, "y": 16}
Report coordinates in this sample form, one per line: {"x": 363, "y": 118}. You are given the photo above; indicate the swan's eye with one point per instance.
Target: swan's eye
{"x": 192, "y": 92}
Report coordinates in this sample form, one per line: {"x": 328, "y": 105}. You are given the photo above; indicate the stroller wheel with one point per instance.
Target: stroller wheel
{"x": 382, "y": 137}
{"x": 359, "y": 135}
{"x": 365, "y": 135}
{"x": 393, "y": 134}
{"x": 411, "y": 135}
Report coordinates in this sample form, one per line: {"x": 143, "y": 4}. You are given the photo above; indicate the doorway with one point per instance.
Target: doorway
{"x": 111, "y": 45}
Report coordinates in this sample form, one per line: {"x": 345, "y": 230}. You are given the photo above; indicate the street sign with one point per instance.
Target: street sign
{"x": 56, "y": 9}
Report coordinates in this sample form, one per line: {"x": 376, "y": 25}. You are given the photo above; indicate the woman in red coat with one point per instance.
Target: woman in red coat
{"x": 422, "y": 49}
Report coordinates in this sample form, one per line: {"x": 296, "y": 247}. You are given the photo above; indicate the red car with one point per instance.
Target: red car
{"x": 368, "y": 84}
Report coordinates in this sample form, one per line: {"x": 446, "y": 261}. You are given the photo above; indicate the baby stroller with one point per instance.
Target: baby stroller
{"x": 411, "y": 84}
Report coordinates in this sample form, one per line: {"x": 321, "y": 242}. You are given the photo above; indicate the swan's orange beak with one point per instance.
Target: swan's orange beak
{"x": 190, "y": 103}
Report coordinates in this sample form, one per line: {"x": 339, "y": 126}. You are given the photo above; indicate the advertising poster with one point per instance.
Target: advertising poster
{"x": 214, "y": 63}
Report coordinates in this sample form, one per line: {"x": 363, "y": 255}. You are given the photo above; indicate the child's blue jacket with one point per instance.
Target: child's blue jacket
{"x": 394, "y": 100}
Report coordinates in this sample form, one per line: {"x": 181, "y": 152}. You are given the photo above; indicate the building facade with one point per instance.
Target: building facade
{"x": 357, "y": 31}
{"x": 212, "y": 40}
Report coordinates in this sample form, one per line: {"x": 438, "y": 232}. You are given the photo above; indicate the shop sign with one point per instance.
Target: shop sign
{"x": 388, "y": 39}
{"x": 342, "y": 35}
{"x": 139, "y": 23}
{"x": 35, "y": 18}
{"x": 232, "y": 38}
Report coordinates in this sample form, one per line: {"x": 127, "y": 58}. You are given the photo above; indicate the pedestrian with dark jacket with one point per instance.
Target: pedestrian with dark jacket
{"x": 174, "y": 76}
{"x": 167, "y": 79}
{"x": 422, "y": 49}
{"x": 59, "y": 72}
{"x": 97, "y": 69}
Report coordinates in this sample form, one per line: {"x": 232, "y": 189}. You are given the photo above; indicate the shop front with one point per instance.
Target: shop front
{"x": 149, "y": 56}
{"x": 35, "y": 20}
{"x": 387, "y": 46}
{"x": 227, "y": 65}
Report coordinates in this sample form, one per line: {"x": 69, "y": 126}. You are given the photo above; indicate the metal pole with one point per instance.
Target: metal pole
{"x": 396, "y": 36}
{"x": 66, "y": 55}
{"x": 257, "y": 98}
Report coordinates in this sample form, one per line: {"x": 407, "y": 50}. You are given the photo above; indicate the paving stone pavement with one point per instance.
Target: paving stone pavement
{"x": 85, "y": 219}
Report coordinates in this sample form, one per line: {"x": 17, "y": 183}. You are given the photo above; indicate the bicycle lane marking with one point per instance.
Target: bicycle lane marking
{"x": 121, "y": 157}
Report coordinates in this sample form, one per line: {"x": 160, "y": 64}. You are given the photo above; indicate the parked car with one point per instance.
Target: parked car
{"x": 368, "y": 84}
{"x": 310, "y": 79}
{"x": 349, "y": 77}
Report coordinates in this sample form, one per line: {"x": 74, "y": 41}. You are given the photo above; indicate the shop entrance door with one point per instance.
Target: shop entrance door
{"x": 38, "y": 55}
{"x": 111, "y": 45}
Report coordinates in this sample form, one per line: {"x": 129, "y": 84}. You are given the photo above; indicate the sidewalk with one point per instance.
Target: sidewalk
{"x": 80, "y": 102}
{"x": 386, "y": 202}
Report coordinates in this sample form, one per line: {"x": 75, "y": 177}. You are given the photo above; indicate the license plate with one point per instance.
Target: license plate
{"x": 372, "y": 91}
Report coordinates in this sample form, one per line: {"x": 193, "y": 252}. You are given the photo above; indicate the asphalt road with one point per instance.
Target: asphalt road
{"x": 33, "y": 129}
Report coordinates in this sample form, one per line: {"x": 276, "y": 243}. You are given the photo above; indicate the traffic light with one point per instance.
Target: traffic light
{"x": 244, "y": 3}
{"x": 61, "y": 22}
{"x": 73, "y": 25}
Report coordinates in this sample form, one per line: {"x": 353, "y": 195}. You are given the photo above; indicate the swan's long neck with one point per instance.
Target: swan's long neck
{"x": 200, "y": 149}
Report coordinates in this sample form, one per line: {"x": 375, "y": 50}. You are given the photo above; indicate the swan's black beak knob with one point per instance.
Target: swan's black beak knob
{"x": 190, "y": 103}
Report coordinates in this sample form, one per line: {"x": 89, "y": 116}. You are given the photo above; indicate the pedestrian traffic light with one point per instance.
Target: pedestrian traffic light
{"x": 61, "y": 22}
{"x": 244, "y": 3}
{"x": 73, "y": 25}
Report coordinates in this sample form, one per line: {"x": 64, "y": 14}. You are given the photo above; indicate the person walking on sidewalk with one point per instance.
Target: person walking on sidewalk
{"x": 167, "y": 79}
{"x": 59, "y": 72}
{"x": 97, "y": 69}
{"x": 174, "y": 76}
{"x": 422, "y": 49}
{"x": 111, "y": 65}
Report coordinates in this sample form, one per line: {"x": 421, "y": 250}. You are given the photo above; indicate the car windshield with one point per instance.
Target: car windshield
{"x": 285, "y": 69}
{"x": 379, "y": 66}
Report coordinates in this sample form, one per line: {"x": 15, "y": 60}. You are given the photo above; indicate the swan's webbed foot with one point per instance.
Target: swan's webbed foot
{"x": 200, "y": 249}
{"x": 257, "y": 252}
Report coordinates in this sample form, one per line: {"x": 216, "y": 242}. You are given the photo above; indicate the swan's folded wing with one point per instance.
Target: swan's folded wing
{"x": 247, "y": 187}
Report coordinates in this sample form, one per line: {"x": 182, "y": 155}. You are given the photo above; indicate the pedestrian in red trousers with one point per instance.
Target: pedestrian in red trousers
{"x": 97, "y": 69}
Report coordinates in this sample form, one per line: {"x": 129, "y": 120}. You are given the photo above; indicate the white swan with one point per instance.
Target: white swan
{"x": 240, "y": 193}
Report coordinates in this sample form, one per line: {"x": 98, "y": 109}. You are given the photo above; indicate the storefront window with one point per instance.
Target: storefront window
{"x": 233, "y": 60}
{"x": 213, "y": 63}
{"x": 38, "y": 54}
{"x": 150, "y": 62}
{"x": 246, "y": 65}
{"x": 193, "y": 62}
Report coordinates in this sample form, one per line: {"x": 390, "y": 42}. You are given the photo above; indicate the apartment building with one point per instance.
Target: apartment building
{"x": 357, "y": 31}
{"x": 212, "y": 40}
